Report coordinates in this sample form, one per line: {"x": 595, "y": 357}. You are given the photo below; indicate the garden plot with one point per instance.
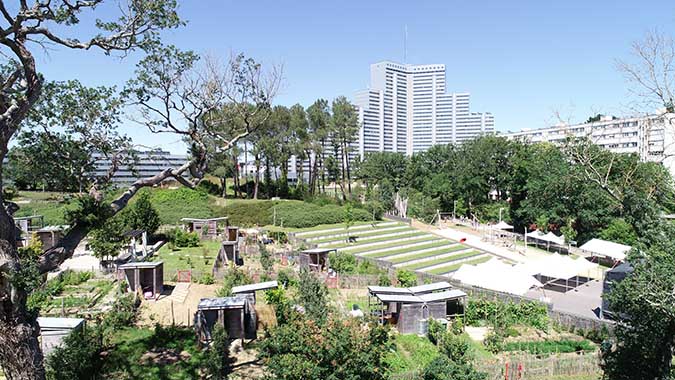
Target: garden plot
{"x": 406, "y": 249}
{"x": 362, "y": 250}
{"x": 363, "y": 232}
{"x": 199, "y": 259}
{"x": 64, "y": 299}
{"x": 433, "y": 262}
{"x": 365, "y": 237}
{"x": 339, "y": 228}
{"x": 426, "y": 254}
{"x": 446, "y": 270}
{"x": 374, "y": 240}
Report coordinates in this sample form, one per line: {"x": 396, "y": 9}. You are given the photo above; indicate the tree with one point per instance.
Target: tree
{"x": 644, "y": 305}
{"x": 78, "y": 358}
{"x": 217, "y": 360}
{"x": 340, "y": 349}
{"x": 345, "y": 127}
{"x": 619, "y": 231}
{"x": 143, "y": 216}
{"x": 108, "y": 240}
{"x": 312, "y": 295}
{"x": 319, "y": 124}
{"x": 24, "y": 29}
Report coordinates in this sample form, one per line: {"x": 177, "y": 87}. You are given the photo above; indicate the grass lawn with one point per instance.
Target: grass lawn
{"x": 412, "y": 353}
{"x": 395, "y": 250}
{"x": 51, "y": 205}
{"x": 454, "y": 267}
{"x": 443, "y": 250}
{"x": 142, "y": 353}
{"x": 341, "y": 226}
{"x": 379, "y": 240}
{"x": 199, "y": 259}
{"x": 441, "y": 260}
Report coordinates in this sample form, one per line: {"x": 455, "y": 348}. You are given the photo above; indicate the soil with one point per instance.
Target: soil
{"x": 246, "y": 364}
{"x": 160, "y": 311}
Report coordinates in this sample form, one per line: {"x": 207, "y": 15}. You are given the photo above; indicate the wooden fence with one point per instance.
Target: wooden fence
{"x": 529, "y": 367}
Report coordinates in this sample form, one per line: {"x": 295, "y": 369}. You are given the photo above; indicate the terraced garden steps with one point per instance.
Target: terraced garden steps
{"x": 422, "y": 240}
{"x": 428, "y": 261}
{"x": 314, "y": 232}
{"x": 362, "y": 236}
{"x": 406, "y": 249}
{"x": 425, "y": 253}
{"x": 377, "y": 239}
{"x": 449, "y": 269}
{"x": 360, "y": 232}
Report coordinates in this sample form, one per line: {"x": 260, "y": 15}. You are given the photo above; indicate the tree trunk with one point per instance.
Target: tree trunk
{"x": 257, "y": 177}
{"x": 223, "y": 187}
{"x": 323, "y": 168}
{"x": 349, "y": 175}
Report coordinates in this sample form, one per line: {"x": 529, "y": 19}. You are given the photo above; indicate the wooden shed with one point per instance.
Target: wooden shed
{"x": 54, "y": 330}
{"x": 50, "y": 236}
{"x": 145, "y": 276}
{"x": 232, "y": 233}
{"x": 236, "y": 314}
{"x": 406, "y": 310}
{"x": 315, "y": 259}
{"x": 205, "y": 228}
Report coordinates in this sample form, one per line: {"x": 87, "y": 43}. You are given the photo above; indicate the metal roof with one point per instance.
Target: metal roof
{"x": 387, "y": 290}
{"x": 404, "y": 298}
{"x": 203, "y": 220}
{"x": 133, "y": 233}
{"x": 428, "y": 288}
{"x": 255, "y": 287}
{"x": 442, "y": 296}
{"x": 141, "y": 264}
{"x": 53, "y": 228}
{"x": 319, "y": 250}
{"x": 52, "y": 323}
{"x": 236, "y": 302}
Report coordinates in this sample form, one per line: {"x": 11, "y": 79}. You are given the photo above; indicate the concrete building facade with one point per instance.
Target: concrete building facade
{"x": 407, "y": 110}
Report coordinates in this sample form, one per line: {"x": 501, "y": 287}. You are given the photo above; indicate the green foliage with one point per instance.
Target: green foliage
{"x": 550, "y": 346}
{"x": 532, "y": 314}
{"x": 266, "y": 260}
{"x": 143, "y": 216}
{"x": 411, "y": 353}
{"x": 313, "y": 296}
{"x": 342, "y": 349}
{"x": 384, "y": 280}
{"x": 494, "y": 341}
{"x": 43, "y": 291}
{"x": 233, "y": 277}
{"x": 108, "y": 240}
{"x": 619, "y": 231}
{"x": 174, "y": 204}
{"x": 283, "y": 309}
{"x": 183, "y": 239}
{"x": 406, "y": 278}
{"x": 456, "y": 347}
{"x": 287, "y": 278}
{"x": 342, "y": 262}
{"x": 122, "y": 314}
{"x": 207, "y": 279}
{"x": 88, "y": 212}
{"x": 435, "y": 331}
{"x": 442, "y": 368}
{"x": 77, "y": 358}
{"x": 217, "y": 359}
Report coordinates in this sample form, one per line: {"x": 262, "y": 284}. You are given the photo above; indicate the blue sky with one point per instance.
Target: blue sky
{"x": 520, "y": 60}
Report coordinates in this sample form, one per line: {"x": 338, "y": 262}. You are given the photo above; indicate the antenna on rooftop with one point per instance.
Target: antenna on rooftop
{"x": 405, "y": 44}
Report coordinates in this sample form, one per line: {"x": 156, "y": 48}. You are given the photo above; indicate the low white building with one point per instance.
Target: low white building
{"x": 652, "y": 137}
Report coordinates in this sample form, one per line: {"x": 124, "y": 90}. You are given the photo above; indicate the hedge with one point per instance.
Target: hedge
{"x": 292, "y": 214}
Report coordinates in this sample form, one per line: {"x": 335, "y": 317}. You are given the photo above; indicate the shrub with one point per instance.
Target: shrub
{"x": 443, "y": 368}
{"x": 207, "y": 279}
{"x": 313, "y": 296}
{"x": 455, "y": 347}
{"x": 494, "y": 342}
{"x": 550, "y": 346}
{"x": 122, "y": 313}
{"x": 282, "y": 305}
{"x": 77, "y": 358}
{"x": 384, "y": 280}
{"x": 174, "y": 204}
{"x": 341, "y": 262}
{"x": 436, "y": 331}
{"x": 209, "y": 187}
{"x": 217, "y": 359}
{"x": 266, "y": 260}
{"x": 183, "y": 239}
{"x": 406, "y": 278}
{"x": 287, "y": 278}
{"x": 532, "y": 314}
{"x": 233, "y": 277}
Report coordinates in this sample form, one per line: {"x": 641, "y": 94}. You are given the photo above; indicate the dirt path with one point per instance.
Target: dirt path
{"x": 160, "y": 311}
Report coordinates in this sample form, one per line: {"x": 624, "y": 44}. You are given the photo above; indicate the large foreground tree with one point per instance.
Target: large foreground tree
{"x": 174, "y": 96}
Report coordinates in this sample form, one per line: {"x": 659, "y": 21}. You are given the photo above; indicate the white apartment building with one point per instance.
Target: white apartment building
{"x": 650, "y": 137}
{"x": 147, "y": 164}
{"x": 407, "y": 110}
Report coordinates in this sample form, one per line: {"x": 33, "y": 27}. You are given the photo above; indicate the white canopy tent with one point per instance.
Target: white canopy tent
{"x": 502, "y": 225}
{"x": 557, "y": 267}
{"x": 496, "y": 275}
{"x": 608, "y": 249}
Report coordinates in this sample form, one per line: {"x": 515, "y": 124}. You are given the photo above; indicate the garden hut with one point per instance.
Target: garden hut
{"x": 235, "y": 314}
{"x": 612, "y": 277}
{"x": 252, "y": 288}
{"x": 50, "y": 236}
{"x": 315, "y": 259}
{"x": 205, "y": 228}
{"x": 145, "y": 276}
{"x": 229, "y": 254}
{"x": 29, "y": 224}
{"x": 54, "y": 330}
{"x": 407, "y": 310}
